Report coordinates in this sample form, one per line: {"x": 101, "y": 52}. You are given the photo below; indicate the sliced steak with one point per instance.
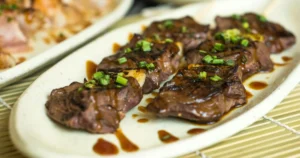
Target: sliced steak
{"x": 203, "y": 100}
{"x": 98, "y": 109}
{"x": 253, "y": 58}
{"x": 275, "y": 36}
{"x": 185, "y": 30}
{"x": 163, "y": 56}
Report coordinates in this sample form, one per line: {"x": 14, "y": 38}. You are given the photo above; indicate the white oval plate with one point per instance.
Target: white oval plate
{"x": 46, "y": 53}
{"x": 37, "y": 136}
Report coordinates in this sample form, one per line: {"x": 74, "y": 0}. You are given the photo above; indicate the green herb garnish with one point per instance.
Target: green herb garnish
{"x": 215, "y": 78}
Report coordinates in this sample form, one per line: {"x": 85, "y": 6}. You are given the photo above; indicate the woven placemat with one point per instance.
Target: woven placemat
{"x": 274, "y": 135}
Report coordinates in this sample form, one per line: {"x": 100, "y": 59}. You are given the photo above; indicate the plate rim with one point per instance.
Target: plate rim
{"x": 239, "y": 122}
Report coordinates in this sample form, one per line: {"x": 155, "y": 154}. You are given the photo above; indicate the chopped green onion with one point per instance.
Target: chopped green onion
{"x": 90, "y": 84}
{"x": 207, "y": 59}
{"x": 150, "y": 66}
{"x": 122, "y": 60}
{"x": 120, "y": 74}
{"x": 104, "y": 82}
{"x": 230, "y": 62}
{"x": 142, "y": 64}
{"x": 107, "y": 77}
{"x": 219, "y": 36}
{"x": 183, "y": 29}
{"x": 202, "y": 75}
{"x": 92, "y": 81}
{"x": 214, "y": 57}
{"x": 235, "y": 40}
{"x": 244, "y": 42}
{"x": 168, "y": 40}
{"x": 245, "y": 25}
{"x": 219, "y": 47}
{"x": 128, "y": 50}
{"x": 262, "y": 18}
{"x": 202, "y": 51}
{"x": 218, "y": 61}
{"x": 216, "y": 78}
{"x": 156, "y": 36}
{"x": 121, "y": 80}
{"x": 244, "y": 19}
{"x": 168, "y": 23}
{"x": 98, "y": 75}
{"x": 145, "y": 45}
{"x": 119, "y": 86}
{"x": 236, "y": 16}
{"x": 80, "y": 89}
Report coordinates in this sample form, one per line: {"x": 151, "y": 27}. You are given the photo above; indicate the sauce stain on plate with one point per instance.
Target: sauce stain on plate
{"x": 116, "y": 47}
{"x": 142, "y": 109}
{"x": 104, "y": 147}
{"x": 125, "y": 143}
{"x": 142, "y": 120}
{"x": 286, "y": 58}
{"x": 249, "y": 95}
{"x": 256, "y": 85}
{"x": 166, "y": 137}
{"x": 90, "y": 69}
{"x": 194, "y": 131}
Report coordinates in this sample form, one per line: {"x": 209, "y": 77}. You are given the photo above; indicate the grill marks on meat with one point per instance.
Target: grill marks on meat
{"x": 165, "y": 57}
{"x": 276, "y": 37}
{"x": 97, "y": 110}
{"x": 252, "y": 59}
{"x": 203, "y": 101}
{"x": 185, "y": 30}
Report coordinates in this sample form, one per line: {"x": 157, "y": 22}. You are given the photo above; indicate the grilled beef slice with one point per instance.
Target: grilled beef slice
{"x": 275, "y": 36}
{"x": 97, "y": 110}
{"x": 185, "y": 30}
{"x": 201, "y": 100}
{"x": 252, "y": 59}
{"x": 164, "y": 55}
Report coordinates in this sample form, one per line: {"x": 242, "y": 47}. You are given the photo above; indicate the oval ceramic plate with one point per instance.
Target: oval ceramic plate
{"x": 37, "y": 136}
{"x": 44, "y": 53}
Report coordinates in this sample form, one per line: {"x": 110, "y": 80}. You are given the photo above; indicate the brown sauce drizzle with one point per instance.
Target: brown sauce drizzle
{"x": 286, "y": 58}
{"x": 142, "y": 109}
{"x": 104, "y": 147}
{"x": 149, "y": 100}
{"x": 59, "y": 38}
{"x": 249, "y": 95}
{"x": 279, "y": 64}
{"x": 195, "y": 131}
{"x": 21, "y": 60}
{"x": 166, "y": 137}
{"x": 134, "y": 115}
{"x": 258, "y": 85}
{"x": 125, "y": 143}
{"x": 142, "y": 120}
{"x": 116, "y": 47}
{"x": 90, "y": 69}
{"x": 130, "y": 36}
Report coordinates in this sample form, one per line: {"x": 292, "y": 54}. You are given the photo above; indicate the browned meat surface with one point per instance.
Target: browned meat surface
{"x": 276, "y": 37}
{"x": 165, "y": 58}
{"x": 185, "y": 30}
{"x": 97, "y": 110}
{"x": 203, "y": 100}
{"x": 252, "y": 59}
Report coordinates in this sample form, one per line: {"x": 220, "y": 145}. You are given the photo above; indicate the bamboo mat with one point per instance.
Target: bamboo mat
{"x": 275, "y": 135}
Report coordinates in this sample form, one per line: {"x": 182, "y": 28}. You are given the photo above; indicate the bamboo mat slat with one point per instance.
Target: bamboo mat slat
{"x": 264, "y": 138}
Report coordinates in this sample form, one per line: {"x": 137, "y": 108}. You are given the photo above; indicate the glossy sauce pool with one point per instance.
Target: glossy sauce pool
{"x": 125, "y": 143}
{"x": 166, "y": 137}
{"x": 286, "y": 58}
{"x": 249, "y": 95}
{"x": 142, "y": 109}
{"x": 104, "y": 147}
{"x": 194, "y": 131}
{"x": 90, "y": 69}
{"x": 256, "y": 85}
{"x": 142, "y": 120}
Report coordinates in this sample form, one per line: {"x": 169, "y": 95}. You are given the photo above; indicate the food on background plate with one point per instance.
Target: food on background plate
{"x": 22, "y": 20}
{"x": 208, "y": 74}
